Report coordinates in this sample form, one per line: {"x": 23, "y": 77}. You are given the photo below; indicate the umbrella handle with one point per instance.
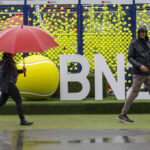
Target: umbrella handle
{"x": 24, "y": 74}
{"x": 24, "y": 67}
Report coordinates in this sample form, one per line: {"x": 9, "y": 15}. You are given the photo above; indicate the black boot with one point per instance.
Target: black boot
{"x": 25, "y": 122}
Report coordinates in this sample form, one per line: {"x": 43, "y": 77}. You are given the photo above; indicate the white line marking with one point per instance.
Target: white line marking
{"x": 34, "y": 63}
{"x": 37, "y": 94}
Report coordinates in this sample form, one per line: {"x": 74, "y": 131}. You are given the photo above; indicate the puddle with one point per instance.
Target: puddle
{"x": 71, "y": 139}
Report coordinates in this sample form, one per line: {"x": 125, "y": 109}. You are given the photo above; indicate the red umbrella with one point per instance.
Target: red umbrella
{"x": 25, "y": 39}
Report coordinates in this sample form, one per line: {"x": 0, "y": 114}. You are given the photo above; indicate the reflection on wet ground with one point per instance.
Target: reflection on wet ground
{"x": 75, "y": 140}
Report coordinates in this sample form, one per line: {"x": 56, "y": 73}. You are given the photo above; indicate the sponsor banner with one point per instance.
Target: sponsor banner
{"x": 38, "y": 2}
{"x": 11, "y": 2}
{"x": 101, "y": 68}
{"x": 107, "y": 1}
{"x": 142, "y": 1}
{"x": 41, "y": 2}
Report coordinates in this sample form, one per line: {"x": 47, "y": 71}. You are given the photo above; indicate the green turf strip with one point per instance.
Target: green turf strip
{"x": 47, "y": 122}
{"x": 87, "y": 100}
{"x": 87, "y": 106}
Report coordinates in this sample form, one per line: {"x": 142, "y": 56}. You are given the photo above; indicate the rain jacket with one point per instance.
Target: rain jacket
{"x": 139, "y": 53}
{"x": 8, "y": 75}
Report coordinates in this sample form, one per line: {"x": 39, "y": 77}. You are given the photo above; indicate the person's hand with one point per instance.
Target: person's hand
{"x": 24, "y": 70}
{"x": 144, "y": 68}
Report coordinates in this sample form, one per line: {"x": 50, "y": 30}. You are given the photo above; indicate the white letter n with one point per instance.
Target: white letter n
{"x": 118, "y": 86}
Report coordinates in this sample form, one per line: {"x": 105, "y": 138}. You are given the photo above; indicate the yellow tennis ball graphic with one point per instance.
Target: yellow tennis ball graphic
{"x": 42, "y": 77}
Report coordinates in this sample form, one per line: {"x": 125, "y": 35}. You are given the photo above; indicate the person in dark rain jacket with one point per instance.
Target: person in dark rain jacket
{"x": 139, "y": 57}
{"x": 8, "y": 79}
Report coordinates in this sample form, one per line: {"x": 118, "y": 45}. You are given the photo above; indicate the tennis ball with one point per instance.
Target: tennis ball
{"x": 42, "y": 78}
{"x": 12, "y": 8}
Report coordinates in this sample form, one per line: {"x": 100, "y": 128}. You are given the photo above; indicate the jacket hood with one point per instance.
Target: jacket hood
{"x": 142, "y": 28}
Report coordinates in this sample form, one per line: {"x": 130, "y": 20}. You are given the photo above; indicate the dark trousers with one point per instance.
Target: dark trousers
{"x": 13, "y": 92}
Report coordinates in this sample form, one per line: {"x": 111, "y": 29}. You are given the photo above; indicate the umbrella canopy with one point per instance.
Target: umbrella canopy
{"x": 25, "y": 39}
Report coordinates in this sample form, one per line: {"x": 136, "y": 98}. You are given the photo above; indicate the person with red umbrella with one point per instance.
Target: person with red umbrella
{"x": 15, "y": 40}
{"x": 8, "y": 88}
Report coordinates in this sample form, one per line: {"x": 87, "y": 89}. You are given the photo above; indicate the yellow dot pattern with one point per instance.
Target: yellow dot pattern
{"x": 106, "y": 32}
{"x": 143, "y": 16}
{"x": 60, "y": 21}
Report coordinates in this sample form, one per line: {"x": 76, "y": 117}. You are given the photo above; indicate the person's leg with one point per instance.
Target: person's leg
{"x": 15, "y": 95}
{"x": 138, "y": 80}
{"x": 147, "y": 83}
{"x": 3, "y": 99}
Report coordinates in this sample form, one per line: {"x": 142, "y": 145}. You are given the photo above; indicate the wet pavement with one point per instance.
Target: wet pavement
{"x": 75, "y": 140}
